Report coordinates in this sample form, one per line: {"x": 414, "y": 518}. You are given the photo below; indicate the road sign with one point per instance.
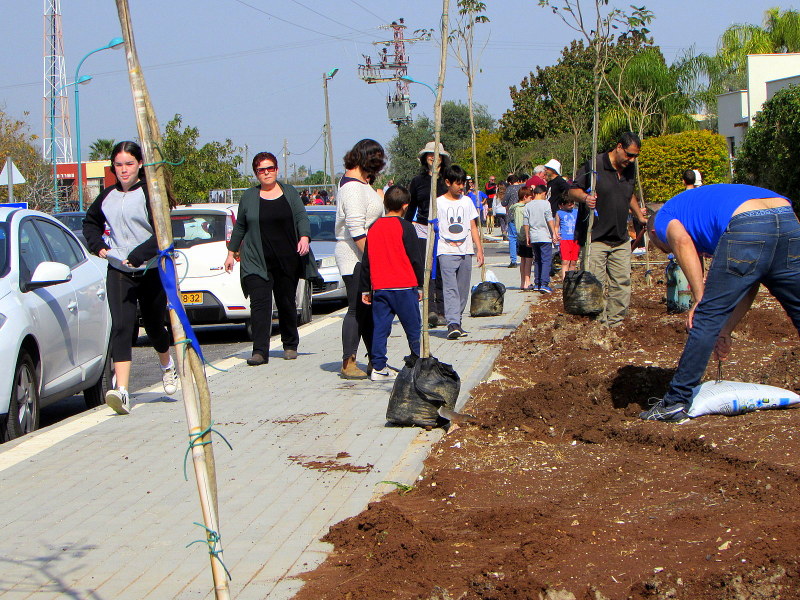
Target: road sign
{"x": 16, "y": 176}
{"x": 13, "y": 205}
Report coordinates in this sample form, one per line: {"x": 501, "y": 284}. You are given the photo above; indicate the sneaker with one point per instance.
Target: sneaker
{"x": 675, "y": 413}
{"x": 513, "y": 265}
{"x": 385, "y": 374}
{"x": 290, "y": 354}
{"x": 119, "y": 401}
{"x": 545, "y": 289}
{"x": 461, "y": 331}
{"x": 169, "y": 378}
{"x": 453, "y": 331}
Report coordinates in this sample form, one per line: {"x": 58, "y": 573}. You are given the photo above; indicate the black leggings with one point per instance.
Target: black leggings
{"x": 260, "y": 292}
{"x": 124, "y": 291}
{"x": 357, "y": 322}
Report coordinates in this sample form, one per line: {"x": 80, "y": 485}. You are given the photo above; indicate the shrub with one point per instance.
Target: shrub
{"x": 771, "y": 150}
{"x": 664, "y": 159}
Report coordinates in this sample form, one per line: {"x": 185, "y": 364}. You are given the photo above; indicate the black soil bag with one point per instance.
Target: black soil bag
{"x": 422, "y": 387}
{"x": 583, "y": 294}
{"x": 487, "y": 299}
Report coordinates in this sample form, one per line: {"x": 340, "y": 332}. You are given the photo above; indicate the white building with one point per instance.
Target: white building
{"x": 766, "y": 74}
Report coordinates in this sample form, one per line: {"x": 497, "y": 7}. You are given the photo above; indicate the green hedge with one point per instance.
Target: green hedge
{"x": 771, "y": 150}
{"x": 664, "y": 159}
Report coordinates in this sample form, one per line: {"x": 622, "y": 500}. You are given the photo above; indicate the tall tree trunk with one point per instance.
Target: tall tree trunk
{"x": 437, "y": 136}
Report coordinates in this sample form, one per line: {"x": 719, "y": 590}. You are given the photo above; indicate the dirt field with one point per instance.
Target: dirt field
{"x": 561, "y": 491}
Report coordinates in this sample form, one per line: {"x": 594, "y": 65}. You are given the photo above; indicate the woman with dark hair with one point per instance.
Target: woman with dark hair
{"x": 272, "y": 236}
{"x": 130, "y": 245}
{"x": 358, "y": 206}
{"x": 418, "y": 208}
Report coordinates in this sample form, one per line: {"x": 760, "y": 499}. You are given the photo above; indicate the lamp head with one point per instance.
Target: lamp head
{"x": 84, "y": 79}
{"x": 117, "y": 42}
{"x": 332, "y": 72}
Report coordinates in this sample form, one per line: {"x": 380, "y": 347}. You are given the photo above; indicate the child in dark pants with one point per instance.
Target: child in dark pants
{"x": 392, "y": 268}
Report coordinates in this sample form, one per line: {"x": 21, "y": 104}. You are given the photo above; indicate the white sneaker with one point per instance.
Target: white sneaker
{"x": 170, "y": 379}
{"x": 119, "y": 400}
{"x": 386, "y": 374}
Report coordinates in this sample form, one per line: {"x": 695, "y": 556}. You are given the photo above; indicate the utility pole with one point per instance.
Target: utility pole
{"x": 325, "y": 77}
{"x": 285, "y": 155}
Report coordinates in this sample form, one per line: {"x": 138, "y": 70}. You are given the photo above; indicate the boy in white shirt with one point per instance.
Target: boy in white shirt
{"x": 458, "y": 241}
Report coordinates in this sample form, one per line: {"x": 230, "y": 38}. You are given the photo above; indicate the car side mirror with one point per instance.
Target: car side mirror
{"x": 48, "y": 273}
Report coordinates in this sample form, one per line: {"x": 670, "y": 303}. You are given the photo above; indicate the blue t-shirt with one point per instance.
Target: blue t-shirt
{"x": 475, "y": 202}
{"x": 566, "y": 223}
{"x": 706, "y": 211}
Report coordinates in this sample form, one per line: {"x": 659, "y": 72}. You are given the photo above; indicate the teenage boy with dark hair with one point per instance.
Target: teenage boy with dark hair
{"x": 458, "y": 241}
{"x": 392, "y": 268}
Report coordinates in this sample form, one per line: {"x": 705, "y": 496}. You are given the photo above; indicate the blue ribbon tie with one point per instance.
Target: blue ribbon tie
{"x": 168, "y": 274}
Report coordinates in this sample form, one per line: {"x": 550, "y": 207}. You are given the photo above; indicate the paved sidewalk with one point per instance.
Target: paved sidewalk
{"x": 97, "y": 507}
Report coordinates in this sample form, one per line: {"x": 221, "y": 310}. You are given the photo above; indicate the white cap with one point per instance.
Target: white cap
{"x": 698, "y": 179}
{"x": 554, "y": 165}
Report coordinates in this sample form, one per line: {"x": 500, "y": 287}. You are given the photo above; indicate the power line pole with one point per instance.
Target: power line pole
{"x": 325, "y": 78}
{"x": 285, "y": 155}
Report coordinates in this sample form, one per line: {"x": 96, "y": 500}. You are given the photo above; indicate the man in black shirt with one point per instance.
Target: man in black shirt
{"x": 609, "y": 250}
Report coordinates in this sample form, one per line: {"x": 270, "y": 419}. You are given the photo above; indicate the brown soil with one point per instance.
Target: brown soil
{"x": 562, "y": 492}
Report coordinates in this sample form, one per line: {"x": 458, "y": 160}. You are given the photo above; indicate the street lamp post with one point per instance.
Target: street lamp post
{"x": 412, "y": 80}
{"x": 53, "y": 146}
{"x": 115, "y": 43}
{"x": 325, "y": 77}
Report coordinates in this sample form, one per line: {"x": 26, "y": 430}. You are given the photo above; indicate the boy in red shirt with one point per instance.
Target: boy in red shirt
{"x": 392, "y": 268}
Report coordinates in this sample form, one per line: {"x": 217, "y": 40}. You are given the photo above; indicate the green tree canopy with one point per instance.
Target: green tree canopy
{"x": 101, "y": 149}
{"x": 771, "y": 150}
{"x": 214, "y": 165}
{"x": 410, "y": 139}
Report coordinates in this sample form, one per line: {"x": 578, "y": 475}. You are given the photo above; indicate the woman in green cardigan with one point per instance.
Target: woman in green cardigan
{"x": 272, "y": 236}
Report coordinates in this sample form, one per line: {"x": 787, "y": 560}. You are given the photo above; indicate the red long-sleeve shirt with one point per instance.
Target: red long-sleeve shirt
{"x": 392, "y": 256}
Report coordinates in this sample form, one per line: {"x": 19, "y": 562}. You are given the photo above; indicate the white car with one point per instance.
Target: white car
{"x": 322, "y": 219}
{"x": 209, "y": 294}
{"x": 54, "y": 319}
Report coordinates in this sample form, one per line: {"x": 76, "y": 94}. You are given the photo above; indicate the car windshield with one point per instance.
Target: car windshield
{"x": 73, "y": 222}
{"x": 3, "y": 246}
{"x": 194, "y": 229}
{"x": 322, "y": 225}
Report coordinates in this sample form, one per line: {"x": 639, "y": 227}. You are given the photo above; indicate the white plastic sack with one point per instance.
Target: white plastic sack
{"x": 736, "y": 397}
{"x": 491, "y": 277}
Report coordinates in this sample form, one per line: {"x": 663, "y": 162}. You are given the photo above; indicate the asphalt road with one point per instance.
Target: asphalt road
{"x": 217, "y": 341}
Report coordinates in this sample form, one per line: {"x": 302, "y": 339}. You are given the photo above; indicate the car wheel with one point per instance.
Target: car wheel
{"x": 23, "y": 407}
{"x": 96, "y": 395}
{"x": 305, "y": 307}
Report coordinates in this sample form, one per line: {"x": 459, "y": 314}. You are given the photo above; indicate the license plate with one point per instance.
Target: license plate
{"x": 192, "y": 297}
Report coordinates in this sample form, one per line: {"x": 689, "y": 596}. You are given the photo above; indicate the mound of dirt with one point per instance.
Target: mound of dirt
{"x": 560, "y": 492}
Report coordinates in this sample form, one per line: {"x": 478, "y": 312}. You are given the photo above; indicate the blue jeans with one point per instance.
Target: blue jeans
{"x": 760, "y": 246}
{"x": 512, "y": 241}
{"x": 385, "y": 305}
{"x": 542, "y": 261}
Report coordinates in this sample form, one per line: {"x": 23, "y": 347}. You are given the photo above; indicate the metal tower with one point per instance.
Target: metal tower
{"x": 395, "y": 65}
{"x": 57, "y": 141}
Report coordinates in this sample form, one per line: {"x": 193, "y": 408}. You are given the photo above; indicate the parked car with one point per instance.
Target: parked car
{"x": 323, "y": 240}
{"x": 209, "y": 294}
{"x": 54, "y": 320}
{"x": 73, "y": 221}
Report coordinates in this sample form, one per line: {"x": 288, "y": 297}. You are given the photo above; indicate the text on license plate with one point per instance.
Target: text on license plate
{"x": 192, "y": 297}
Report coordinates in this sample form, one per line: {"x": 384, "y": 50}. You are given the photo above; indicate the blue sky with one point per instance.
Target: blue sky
{"x": 251, "y": 70}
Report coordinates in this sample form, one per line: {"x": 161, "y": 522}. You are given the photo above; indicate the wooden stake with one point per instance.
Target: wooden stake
{"x": 437, "y": 134}
{"x": 190, "y": 368}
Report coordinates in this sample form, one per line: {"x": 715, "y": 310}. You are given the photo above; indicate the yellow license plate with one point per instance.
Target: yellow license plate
{"x": 192, "y": 297}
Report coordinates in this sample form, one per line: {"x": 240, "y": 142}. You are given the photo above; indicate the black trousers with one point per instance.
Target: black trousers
{"x": 357, "y": 323}
{"x": 124, "y": 291}
{"x": 260, "y": 291}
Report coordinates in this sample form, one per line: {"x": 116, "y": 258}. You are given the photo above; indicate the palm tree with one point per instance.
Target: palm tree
{"x": 727, "y": 69}
{"x": 101, "y": 149}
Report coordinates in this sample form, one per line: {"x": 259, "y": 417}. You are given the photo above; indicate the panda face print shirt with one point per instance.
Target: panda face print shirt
{"x": 455, "y": 226}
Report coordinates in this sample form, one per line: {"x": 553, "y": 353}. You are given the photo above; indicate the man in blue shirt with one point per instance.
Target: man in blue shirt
{"x": 754, "y": 237}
